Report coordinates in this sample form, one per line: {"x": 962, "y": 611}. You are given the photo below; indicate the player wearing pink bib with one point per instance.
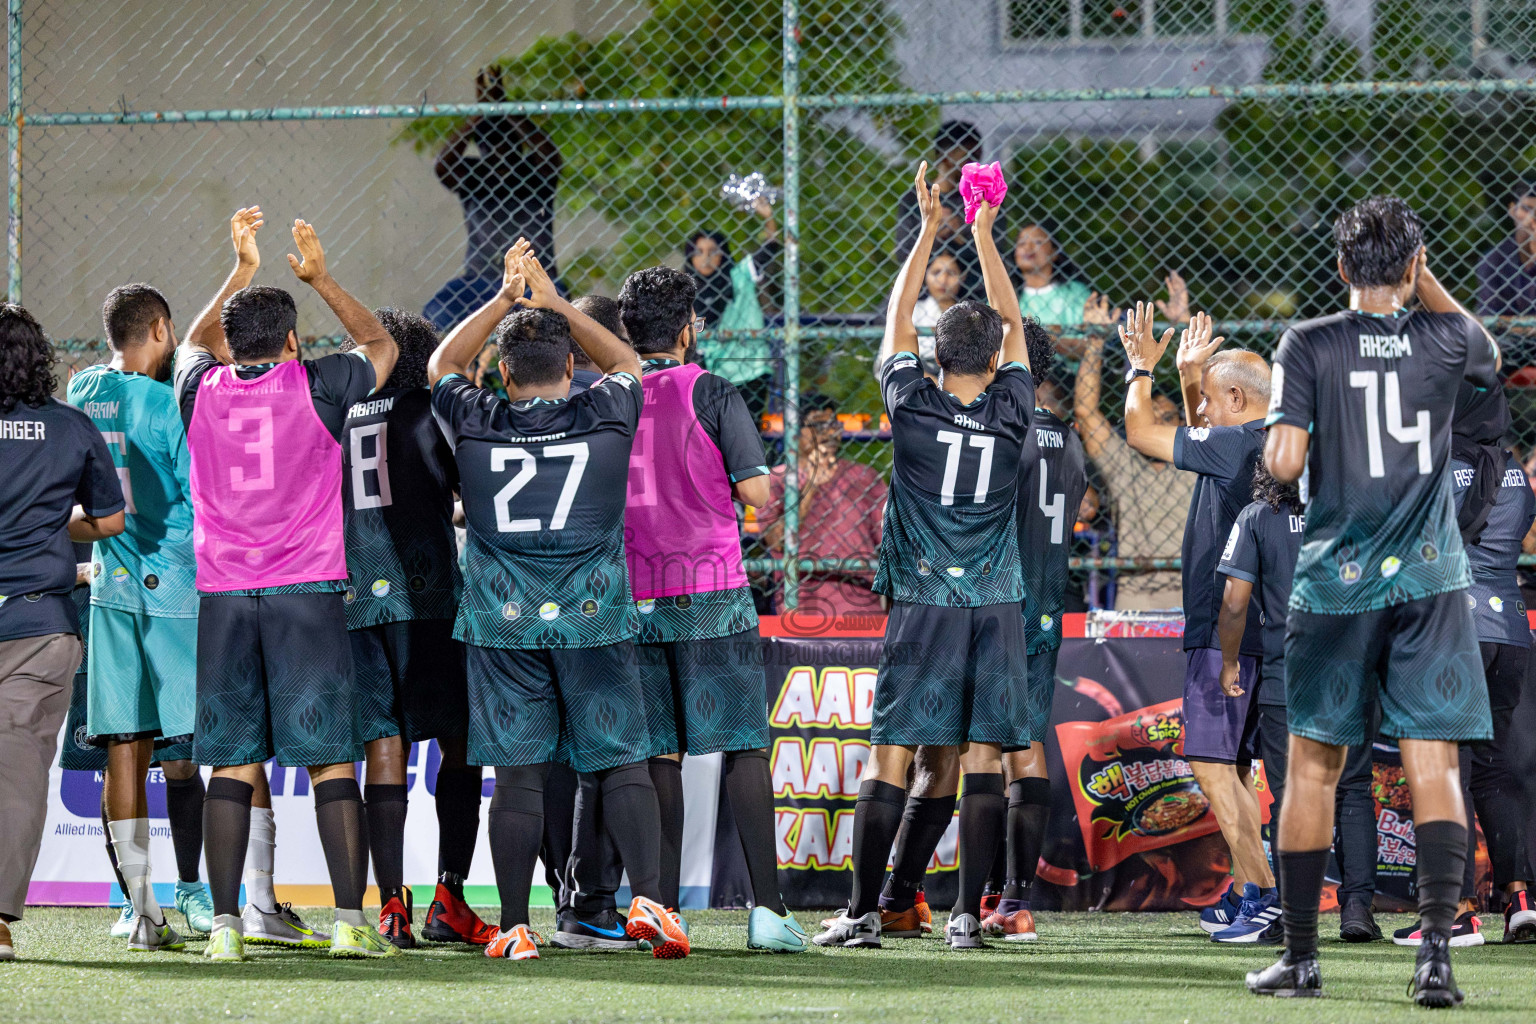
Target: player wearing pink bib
{"x": 274, "y": 667}
{"x": 696, "y": 453}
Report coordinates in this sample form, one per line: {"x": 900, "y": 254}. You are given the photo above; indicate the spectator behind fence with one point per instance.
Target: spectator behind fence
{"x": 1150, "y": 498}
{"x": 507, "y": 192}
{"x": 841, "y": 506}
{"x": 727, "y": 301}
{"x": 956, "y": 144}
{"x": 1506, "y": 277}
{"x": 942, "y": 285}
{"x": 1055, "y": 291}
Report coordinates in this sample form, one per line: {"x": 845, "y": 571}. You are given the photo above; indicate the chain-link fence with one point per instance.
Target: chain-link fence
{"x": 1154, "y": 149}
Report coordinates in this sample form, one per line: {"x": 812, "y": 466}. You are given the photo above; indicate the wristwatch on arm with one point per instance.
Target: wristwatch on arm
{"x": 1132, "y": 374}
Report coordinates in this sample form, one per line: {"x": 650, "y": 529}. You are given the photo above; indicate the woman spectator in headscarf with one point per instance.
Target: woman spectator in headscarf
{"x": 727, "y": 301}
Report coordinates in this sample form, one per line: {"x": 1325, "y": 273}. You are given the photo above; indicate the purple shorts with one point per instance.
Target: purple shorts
{"x": 1217, "y": 727}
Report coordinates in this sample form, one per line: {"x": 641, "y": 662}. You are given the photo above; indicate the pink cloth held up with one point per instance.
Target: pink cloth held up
{"x": 981, "y": 183}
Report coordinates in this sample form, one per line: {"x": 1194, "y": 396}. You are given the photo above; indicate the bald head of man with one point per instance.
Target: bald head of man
{"x": 1234, "y": 388}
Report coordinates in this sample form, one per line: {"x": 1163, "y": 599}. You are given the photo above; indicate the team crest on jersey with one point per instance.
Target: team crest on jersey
{"x": 1389, "y": 566}
{"x": 1429, "y": 552}
{"x": 549, "y": 611}
{"x": 418, "y": 584}
{"x": 955, "y": 571}
{"x": 82, "y": 738}
{"x": 350, "y": 595}
{"x": 1047, "y": 623}
{"x": 119, "y": 575}
{"x": 511, "y": 610}
{"x": 152, "y": 581}
{"x": 986, "y": 568}
{"x": 1520, "y": 607}
{"x": 589, "y": 607}
{"x": 683, "y": 602}
{"x": 923, "y": 568}
{"x": 1199, "y": 433}
{"x": 380, "y": 588}
{"x": 645, "y": 605}
{"x": 1471, "y": 602}
{"x": 1496, "y": 603}
{"x": 1349, "y": 572}
{"x": 95, "y": 569}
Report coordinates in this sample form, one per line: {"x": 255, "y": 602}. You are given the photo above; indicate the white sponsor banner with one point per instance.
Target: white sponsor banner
{"x": 72, "y": 866}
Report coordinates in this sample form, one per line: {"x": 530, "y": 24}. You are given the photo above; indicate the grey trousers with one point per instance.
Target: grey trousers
{"x": 35, "y": 676}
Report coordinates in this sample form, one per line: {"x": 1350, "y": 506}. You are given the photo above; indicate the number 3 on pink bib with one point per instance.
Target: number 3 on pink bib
{"x": 261, "y": 448}
{"x": 641, "y": 472}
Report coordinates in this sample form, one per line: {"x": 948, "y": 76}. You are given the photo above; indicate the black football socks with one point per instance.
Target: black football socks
{"x": 516, "y": 830}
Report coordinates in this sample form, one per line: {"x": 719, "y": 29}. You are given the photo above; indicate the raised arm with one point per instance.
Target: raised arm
{"x": 1196, "y": 346}
{"x": 1433, "y": 294}
{"x": 455, "y": 352}
{"x": 1000, "y": 293}
{"x": 1087, "y": 391}
{"x": 900, "y": 334}
{"x": 1142, "y": 352}
{"x": 604, "y": 348}
{"x": 357, "y": 320}
{"x": 206, "y": 333}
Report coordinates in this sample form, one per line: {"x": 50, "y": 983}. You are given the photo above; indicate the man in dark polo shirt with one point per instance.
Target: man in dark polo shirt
{"x": 57, "y": 484}
{"x": 1227, "y": 395}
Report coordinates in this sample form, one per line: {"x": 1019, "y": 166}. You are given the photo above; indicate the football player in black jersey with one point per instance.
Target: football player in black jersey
{"x": 949, "y": 559}
{"x": 546, "y": 616}
{"x": 402, "y": 592}
{"x": 1378, "y": 607}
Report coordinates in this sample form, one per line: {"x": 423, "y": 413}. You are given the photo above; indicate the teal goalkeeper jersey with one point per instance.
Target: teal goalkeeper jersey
{"x": 149, "y": 567}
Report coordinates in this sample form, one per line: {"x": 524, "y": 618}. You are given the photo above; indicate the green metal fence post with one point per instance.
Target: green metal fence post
{"x": 13, "y": 148}
{"x": 791, "y": 303}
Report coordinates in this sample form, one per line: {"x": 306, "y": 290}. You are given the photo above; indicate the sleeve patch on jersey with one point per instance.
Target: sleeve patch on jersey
{"x": 1232, "y": 539}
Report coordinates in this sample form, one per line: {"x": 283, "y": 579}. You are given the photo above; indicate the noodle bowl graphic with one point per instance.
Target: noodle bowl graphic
{"x": 1170, "y": 812}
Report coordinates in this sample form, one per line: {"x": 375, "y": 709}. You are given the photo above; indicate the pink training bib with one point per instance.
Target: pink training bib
{"x": 266, "y": 483}
{"x": 680, "y": 533}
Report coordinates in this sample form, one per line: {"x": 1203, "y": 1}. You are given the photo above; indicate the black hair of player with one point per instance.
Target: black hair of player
{"x": 1521, "y": 190}
{"x": 1041, "y": 349}
{"x": 534, "y": 344}
{"x": 606, "y": 312}
{"x": 416, "y": 339}
{"x": 257, "y": 322}
{"x": 26, "y": 360}
{"x": 656, "y": 304}
{"x": 131, "y": 312}
{"x": 966, "y": 337}
{"x": 1278, "y": 496}
{"x": 958, "y": 135}
{"x": 1377, "y": 241}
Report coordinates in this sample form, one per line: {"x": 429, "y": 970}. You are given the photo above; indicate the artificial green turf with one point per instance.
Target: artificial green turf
{"x": 1086, "y": 967}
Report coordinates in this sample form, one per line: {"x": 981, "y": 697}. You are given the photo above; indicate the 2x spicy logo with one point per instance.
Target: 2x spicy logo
{"x": 1160, "y": 730}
